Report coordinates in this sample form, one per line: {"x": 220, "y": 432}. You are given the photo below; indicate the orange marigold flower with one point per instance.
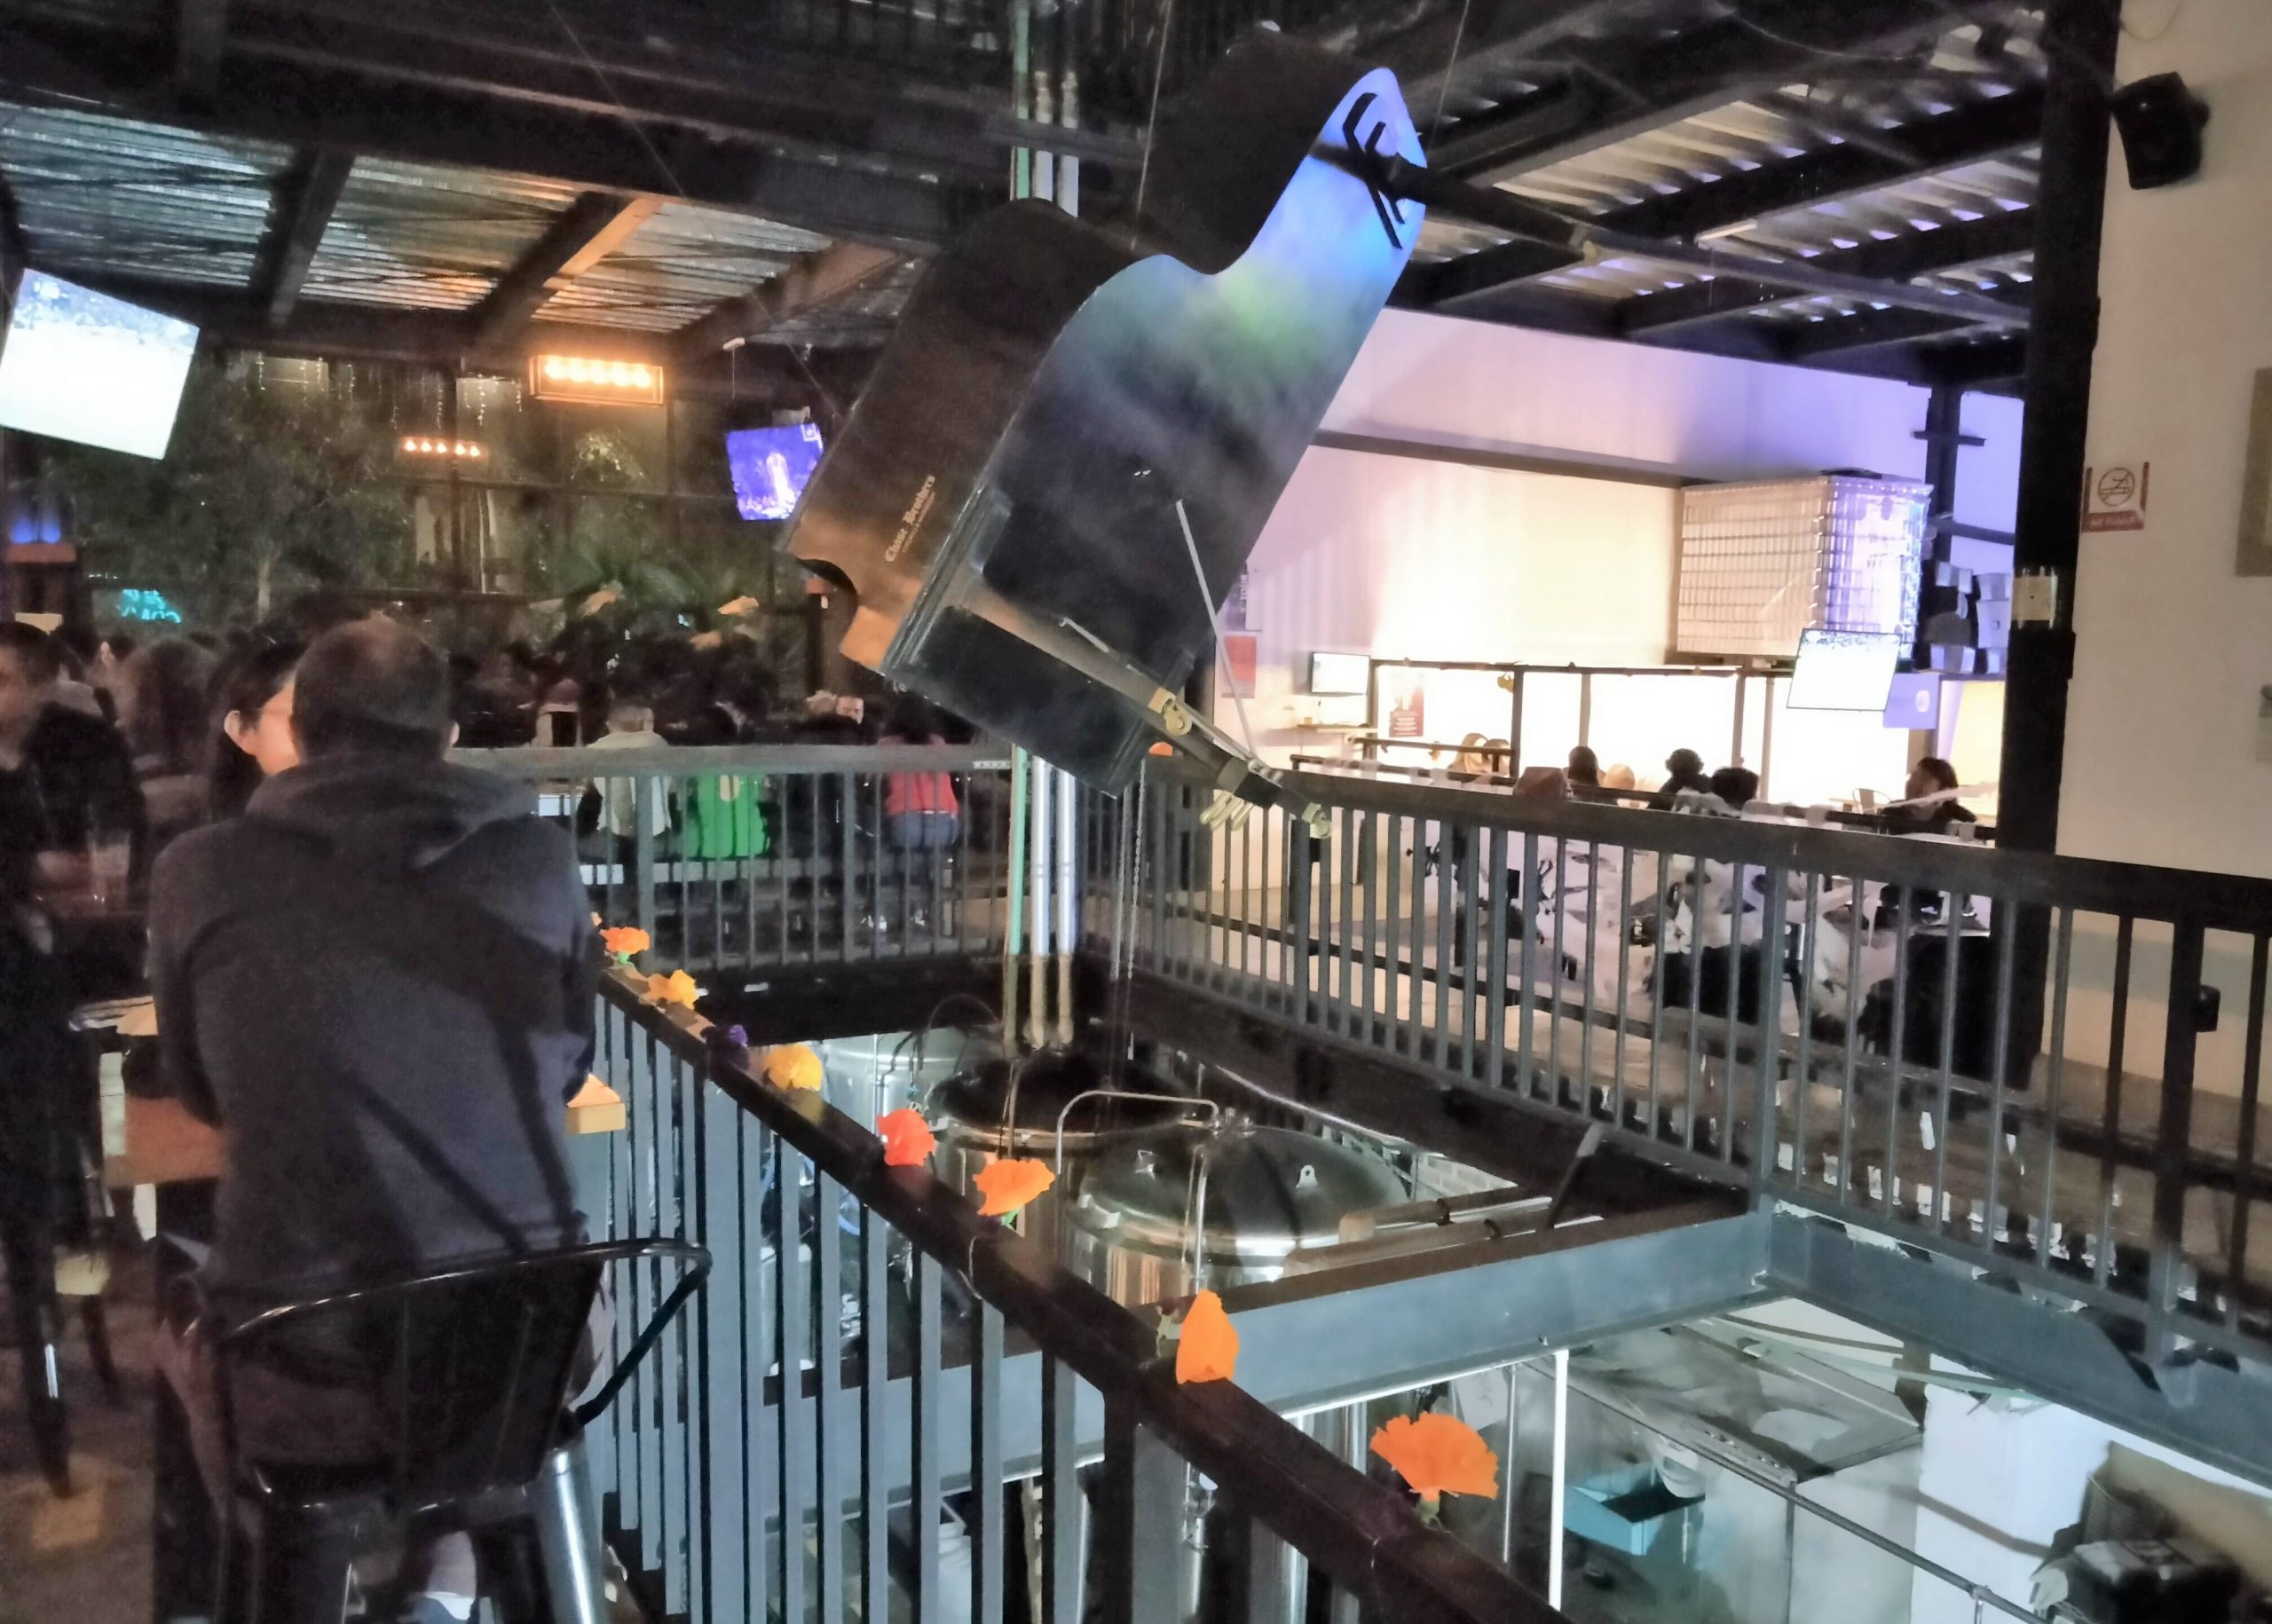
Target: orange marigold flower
{"x": 907, "y": 1139}
{"x": 793, "y": 1066}
{"x": 1009, "y": 1184}
{"x": 1208, "y": 1350}
{"x": 677, "y": 987}
{"x": 1438, "y": 1455}
{"x": 623, "y": 941}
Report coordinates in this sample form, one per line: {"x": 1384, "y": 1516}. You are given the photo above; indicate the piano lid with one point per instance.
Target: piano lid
{"x": 1003, "y": 499}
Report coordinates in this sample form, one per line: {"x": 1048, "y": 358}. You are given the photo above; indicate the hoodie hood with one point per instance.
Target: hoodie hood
{"x": 392, "y": 816}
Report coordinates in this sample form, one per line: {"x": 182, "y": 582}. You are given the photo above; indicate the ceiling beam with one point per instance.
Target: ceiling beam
{"x": 299, "y": 209}
{"x": 200, "y": 29}
{"x": 15, "y": 253}
{"x": 321, "y": 330}
{"x": 2000, "y": 127}
{"x": 1647, "y": 84}
{"x": 1989, "y": 363}
{"x": 810, "y": 282}
{"x": 1900, "y": 259}
{"x": 587, "y": 231}
{"x": 1497, "y": 35}
{"x": 1867, "y": 329}
{"x": 1976, "y": 134}
{"x": 480, "y": 126}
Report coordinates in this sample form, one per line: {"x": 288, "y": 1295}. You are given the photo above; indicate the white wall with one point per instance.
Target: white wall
{"x": 1474, "y": 384}
{"x": 1405, "y": 557}
{"x": 1399, "y": 557}
{"x": 2172, "y": 645}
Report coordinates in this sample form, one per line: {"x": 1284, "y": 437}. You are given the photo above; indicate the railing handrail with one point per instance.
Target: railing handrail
{"x": 691, "y": 760}
{"x": 2215, "y": 902}
{"x": 1361, "y": 1533}
{"x": 1880, "y": 821}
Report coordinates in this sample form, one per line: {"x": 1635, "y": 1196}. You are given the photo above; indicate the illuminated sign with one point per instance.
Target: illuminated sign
{"x": 434, "y": 448}
{"x": 587, "y": 378}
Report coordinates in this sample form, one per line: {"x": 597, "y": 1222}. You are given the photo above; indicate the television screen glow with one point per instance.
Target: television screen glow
{"x": 772, "y": 468}
{"x": 80, "y": 365}
{"x": 1340, "y": 674}
{"x": 1843, "y": 671}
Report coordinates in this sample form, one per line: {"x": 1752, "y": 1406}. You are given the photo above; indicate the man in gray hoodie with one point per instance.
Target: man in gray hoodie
{"x": 380, "y": 981}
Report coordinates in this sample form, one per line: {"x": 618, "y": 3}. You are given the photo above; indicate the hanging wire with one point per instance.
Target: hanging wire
{"x": 1752, "y": 25}
{"x": 1151, "y": 120}
{"x": 1444, "y": 85}
{"x": 621, "y": 106}
{"x": 1214, "y": 624}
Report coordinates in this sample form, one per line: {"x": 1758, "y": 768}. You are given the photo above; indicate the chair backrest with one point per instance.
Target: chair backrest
{"x": 456, "y": 1378}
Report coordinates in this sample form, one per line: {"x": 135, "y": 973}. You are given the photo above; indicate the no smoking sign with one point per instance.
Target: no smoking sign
{"x": 2115, "y": 496}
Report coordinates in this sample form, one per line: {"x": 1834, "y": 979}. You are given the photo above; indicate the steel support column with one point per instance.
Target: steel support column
{"x": 2078, "y": 39}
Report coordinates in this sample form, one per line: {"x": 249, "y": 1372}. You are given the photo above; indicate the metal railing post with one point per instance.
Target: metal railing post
{"x": 2166, "y": 1272}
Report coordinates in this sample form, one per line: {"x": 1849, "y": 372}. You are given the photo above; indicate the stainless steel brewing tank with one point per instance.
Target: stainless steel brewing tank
{"x": 870, "y": 1076}
{"x": 1268, "y": 1191}
{"x": 970, "y": 1114}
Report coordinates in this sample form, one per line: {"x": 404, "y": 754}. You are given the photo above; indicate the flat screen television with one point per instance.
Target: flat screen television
{"x": 80, "y": 365}
{"x": 772, "y": 468}
{"x": 1844, "y": 670}
{"x": 1340, "y": 674}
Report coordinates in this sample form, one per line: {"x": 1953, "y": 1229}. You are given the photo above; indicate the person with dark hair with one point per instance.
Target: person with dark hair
{"x": 162, "y": 711}
{"x": 408, "y": 932}
{"x": 72, "y": 779}
{"x": 1684, "y": 771}
{"x": 1930, "y": 795}
{"x": 1584, "y": 771}
{"x": 249, "y": 738}
{"x": 380, "y": 980}
{"x": 1735, "y": 787}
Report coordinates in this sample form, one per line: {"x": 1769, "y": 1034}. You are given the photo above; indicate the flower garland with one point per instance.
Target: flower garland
{"x": 1435, "y": 1454}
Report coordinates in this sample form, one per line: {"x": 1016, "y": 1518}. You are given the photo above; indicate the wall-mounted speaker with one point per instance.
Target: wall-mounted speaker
{"x": 2161, "y": 122}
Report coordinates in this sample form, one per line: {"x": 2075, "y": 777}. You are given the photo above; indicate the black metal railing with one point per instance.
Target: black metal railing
{"x": 756, "y": 858}
{"x": 1845, "y": 1023}
{"x": 877, "y": 1386}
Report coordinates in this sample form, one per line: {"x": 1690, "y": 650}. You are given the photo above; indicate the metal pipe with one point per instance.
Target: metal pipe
{"x": 1013, "y": 927}
{"x": 1068, "y": 898}
{"x": 1505, "y": 211}
{"x": 1214, "y": 1112}
{"x": 1069, "y": 104}
{"x": 1557, "y": 1500}
{"x": 1037, "y": 876}
{"x": 1041, "y": 107}
{"x": 1021, "y": 163}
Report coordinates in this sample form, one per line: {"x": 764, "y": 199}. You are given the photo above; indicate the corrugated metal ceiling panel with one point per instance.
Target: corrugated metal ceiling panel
{"x": 104, "y": 195}
{"x": 1772, "y": 129}
{"x": 682, "y": 260}
{"x": 426, "y": 237}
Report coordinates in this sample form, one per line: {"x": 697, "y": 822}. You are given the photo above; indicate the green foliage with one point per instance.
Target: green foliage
{"x": 266, "y": 491}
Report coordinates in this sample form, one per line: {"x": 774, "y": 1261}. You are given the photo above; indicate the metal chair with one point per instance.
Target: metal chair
{"x": 466, "y": 1375}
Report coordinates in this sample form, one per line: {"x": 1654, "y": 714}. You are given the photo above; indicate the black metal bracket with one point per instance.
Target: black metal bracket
{"x": 1371, "y": 167}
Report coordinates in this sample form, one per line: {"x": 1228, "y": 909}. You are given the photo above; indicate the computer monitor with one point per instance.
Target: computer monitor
{"x": 1844, "y": 670}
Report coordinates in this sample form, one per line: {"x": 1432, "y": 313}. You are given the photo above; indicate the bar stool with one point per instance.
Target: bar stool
{"x": 466, "y": 1375}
